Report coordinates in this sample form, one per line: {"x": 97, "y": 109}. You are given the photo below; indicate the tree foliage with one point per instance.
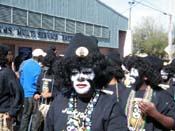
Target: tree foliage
{"x": 150, "y": 37}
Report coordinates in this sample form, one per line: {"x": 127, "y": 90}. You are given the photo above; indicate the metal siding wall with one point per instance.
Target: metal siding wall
{"x": 113, "y": 25}
{"x": 90, "y": 11}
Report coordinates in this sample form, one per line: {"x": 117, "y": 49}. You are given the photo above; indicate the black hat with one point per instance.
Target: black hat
{"x": 155, "y": 62}
{"x": 114, "y": 56}
{"x": 82, "y": 46}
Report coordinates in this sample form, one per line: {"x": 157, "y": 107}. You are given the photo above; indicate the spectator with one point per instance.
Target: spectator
{"x": 29, "y": 76}
{"x": 10, "y": 93}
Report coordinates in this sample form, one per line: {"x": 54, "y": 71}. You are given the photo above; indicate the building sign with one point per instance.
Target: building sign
{"x": 14, "y": 31}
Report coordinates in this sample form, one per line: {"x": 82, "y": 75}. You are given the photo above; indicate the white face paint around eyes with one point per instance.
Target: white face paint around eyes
{"x": 164, "y": 75}
{"x": 133, "y": 75}
{"x": 134, "y": 72}
{"x": 162, "y": 72}
{"x": 80, "y": 79}
{"x": 85, "y": 74}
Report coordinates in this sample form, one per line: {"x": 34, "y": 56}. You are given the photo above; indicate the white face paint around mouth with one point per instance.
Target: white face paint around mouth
{"x": 80, "y": 79}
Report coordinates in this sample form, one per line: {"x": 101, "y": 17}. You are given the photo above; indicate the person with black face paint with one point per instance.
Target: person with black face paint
{"x": 115, "y": 74}
{"x": 168, "y": 79}
{"x": 81, "y": 104}
{"x": 147, "y": 106}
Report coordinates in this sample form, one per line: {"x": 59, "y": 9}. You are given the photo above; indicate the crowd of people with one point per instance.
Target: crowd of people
{"x": 85, "y": 90}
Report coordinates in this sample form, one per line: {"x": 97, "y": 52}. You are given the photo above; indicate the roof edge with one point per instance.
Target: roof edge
{"x": 102, "y": 3}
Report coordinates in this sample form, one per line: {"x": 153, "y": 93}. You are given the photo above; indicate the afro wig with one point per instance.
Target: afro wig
{"x": 146, "y": 70}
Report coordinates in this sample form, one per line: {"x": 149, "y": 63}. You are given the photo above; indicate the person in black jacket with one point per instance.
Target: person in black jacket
{"x": 81, "y": 104}
{"x": 116, "y": 74}
{"x": 168, "y": 79}
{"x": 10, "y": 93}
{"x": 148, "y": 107}
{"x": 45, "y": 91}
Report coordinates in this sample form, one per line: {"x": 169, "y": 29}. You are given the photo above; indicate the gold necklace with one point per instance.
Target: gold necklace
{"x": 136, "y": 120}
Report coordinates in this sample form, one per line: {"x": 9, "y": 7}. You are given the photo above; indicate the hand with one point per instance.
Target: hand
{"x": 8, "y": 117}
{"x": 46, "y": 95}
{"x": 36, "y": 97}
{"x": 148, "y": 108}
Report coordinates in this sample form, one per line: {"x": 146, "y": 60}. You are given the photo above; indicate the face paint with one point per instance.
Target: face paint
{"x": 81, "y": 78}
{"x": 164, "y": 75}
{"x": 133, "y": 75}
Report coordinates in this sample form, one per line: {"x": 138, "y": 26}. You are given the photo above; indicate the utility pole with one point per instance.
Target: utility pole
{"x": 130, "y": 8}
{"x": 170, "y": 49}
{"x": 128, "y": 46}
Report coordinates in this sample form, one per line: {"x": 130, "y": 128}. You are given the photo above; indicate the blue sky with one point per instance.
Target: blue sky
{"x": 139, "y": 10}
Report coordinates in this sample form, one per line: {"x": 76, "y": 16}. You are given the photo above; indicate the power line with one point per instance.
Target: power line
{"x": 146, "y": 1}
{"x": 130, "y": 7}
{"x": 165, "y": 13}
{"x": 140, "y": 2}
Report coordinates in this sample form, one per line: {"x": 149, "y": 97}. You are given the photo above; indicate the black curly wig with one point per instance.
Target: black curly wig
{"x": 97, "y": 62}
{"x": 170, "y": 70}
{"x": 146, "y": 70}
{"x": 129, "y": 61}
{"x": 114, "y": 67}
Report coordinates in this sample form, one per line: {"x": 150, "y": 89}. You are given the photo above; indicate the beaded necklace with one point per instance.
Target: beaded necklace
{"x": 79, "y": 121}
{"x": 137, "y": 124}
{"x": 117, "y": 92}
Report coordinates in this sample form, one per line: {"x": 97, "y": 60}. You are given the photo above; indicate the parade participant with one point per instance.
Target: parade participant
{"x": 82, "y": 105}
{"x": 172, "y": 64}
{"x": 167, "y": 74}
{"x": 148, "y": 107}
{"x": 115, "y": 73}
{"x": 10, "y": 93}
{"x": 168, "y": 79}
{"x": 29, "y": 76}
{"x": 127, "y": 64}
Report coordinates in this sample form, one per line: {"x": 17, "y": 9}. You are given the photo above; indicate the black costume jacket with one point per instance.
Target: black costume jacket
{"x": 163, "y": 103}
{"x": 107, "y": 114}
{"x": 117, "y": 92}
{"x": 40, "y": 82}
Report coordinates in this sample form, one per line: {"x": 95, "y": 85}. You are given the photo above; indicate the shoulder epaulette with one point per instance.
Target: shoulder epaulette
{"x": 107, "y": 92}
{"x": 164, "y": 86}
